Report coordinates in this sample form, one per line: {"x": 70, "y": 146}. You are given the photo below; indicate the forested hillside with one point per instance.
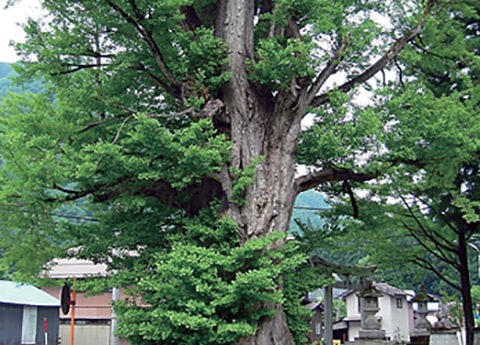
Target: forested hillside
{"x": 6, "y": 75}
{"x": 308, "y": 207}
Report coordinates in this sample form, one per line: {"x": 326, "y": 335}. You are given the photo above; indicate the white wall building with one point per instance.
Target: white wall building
{"x": 394, "y": 312}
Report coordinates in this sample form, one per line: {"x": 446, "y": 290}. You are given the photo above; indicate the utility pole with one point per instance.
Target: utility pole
{"x": 115, "y": 297}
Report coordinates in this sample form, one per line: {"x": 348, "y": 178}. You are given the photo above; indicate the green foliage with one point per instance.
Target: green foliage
{"x": 426, "y": 209}
{"x": 278, "y": 64}
{"x": 468, "y": 207}
{"x": 475, "y": 292}
{"x": 204, "y": 285}
{"x": 244, "y": 179}
{"x": 34, "y": 151}
{"x": 297, "y": 283}
{"x": 340, "y": 133}
{"x": 205, "y": 56}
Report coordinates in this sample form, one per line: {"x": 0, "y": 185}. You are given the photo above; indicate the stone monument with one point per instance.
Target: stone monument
{"x": 371, "y": 332}
{"x": 421, "y": 332}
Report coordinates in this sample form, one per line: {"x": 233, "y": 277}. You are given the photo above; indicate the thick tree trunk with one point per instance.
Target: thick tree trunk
{"x": 262, "y": 125}
{"x": 271, "y": 331}
{"x": 271, "y": 197}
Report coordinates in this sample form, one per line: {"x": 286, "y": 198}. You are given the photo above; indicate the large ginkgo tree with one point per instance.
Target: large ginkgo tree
{"x": 158, "y": 114}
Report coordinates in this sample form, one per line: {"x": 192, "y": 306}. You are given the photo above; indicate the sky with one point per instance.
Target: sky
{"x": 11, "y": 19}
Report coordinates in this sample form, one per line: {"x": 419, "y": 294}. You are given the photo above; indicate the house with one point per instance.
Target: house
{"x": 395, "y": 313}
{"x": 315, "y": 322}
{"x": 24, "y": 311}
{"x": 93, "y": 314}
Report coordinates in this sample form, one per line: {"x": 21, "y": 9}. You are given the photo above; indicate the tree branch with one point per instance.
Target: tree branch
{"x": 156, "y": 116}
{"x": 191, "y": 20}
{"x": 428, "y": 52}
{"x": 293, "y": 28}
{"x": 400, "y": 74}
{"x": 382, "y": 62}
{"x": 433, "y": 238}
{"x": 175, "y": 93}
{"x": 102, "y": 122}
{"x": 353, "y": 201}
{"x": 438, "y": 212}
{"x": 78, "y": 68}
{"x": 177, "y": 85}
{"x": 271, "y": 30}
{"x": 316, "y": 178}
{"x": 439, "y": 255}
{"x": 428, "y": 266}
{"x": 327, "y": 71}
{"x": 72, "y": 195}
{"x": 211, "y": 109}
{"x": 120, "y": 130}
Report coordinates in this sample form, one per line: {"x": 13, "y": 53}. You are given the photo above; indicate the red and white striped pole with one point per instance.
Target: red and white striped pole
{"x": 45, "y": 327}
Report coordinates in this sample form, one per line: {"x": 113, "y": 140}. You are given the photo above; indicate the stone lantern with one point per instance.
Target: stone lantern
{"x": 371, "y": 326}
{"x": 421, "y": 332}
{"x": 422, "y": 326}
{"x": 371, "y": 332}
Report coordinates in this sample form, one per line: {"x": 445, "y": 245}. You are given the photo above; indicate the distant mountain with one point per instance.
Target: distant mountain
{"x": 6, "y": 73}
{"x": 5, "y": 69}
{"x": 307, "y": 208}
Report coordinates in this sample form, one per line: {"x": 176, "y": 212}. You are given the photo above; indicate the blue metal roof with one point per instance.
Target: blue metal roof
{"x": 25, "y": 294}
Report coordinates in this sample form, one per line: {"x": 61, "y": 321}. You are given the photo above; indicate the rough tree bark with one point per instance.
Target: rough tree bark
{"x": 260, "y": 126}
{"x": 268, "y": 125}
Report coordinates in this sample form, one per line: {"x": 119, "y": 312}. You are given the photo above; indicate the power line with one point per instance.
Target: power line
{"x": 91, "y": 219}
{"x": 311, "y": 208}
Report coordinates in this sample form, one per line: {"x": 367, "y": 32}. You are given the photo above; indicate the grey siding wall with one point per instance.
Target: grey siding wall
{"x": 316, "y": 319}
{"x": 10, "y": 324}
{"x": 11, "y": 316}
{"x": 52, "y": 325}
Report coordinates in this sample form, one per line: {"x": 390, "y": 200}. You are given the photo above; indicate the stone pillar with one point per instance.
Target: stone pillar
{"x": 328, "y": 328}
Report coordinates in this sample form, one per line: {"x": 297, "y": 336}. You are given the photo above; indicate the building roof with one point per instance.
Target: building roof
{"x": 352, "y": 318}
{"x": 389, "y": 290}
{"x": 68, "y": 268}
{"x": 25, "y": 294}
{"x": 314, "y": 305}
{"x": 381, "y": 287}
{"x": 337, "y": 325}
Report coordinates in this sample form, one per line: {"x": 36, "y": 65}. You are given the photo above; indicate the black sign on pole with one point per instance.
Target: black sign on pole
{"x": 65, "y": 299}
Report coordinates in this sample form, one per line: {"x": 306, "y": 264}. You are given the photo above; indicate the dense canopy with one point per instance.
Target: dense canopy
{"x": 156, "y": 113}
